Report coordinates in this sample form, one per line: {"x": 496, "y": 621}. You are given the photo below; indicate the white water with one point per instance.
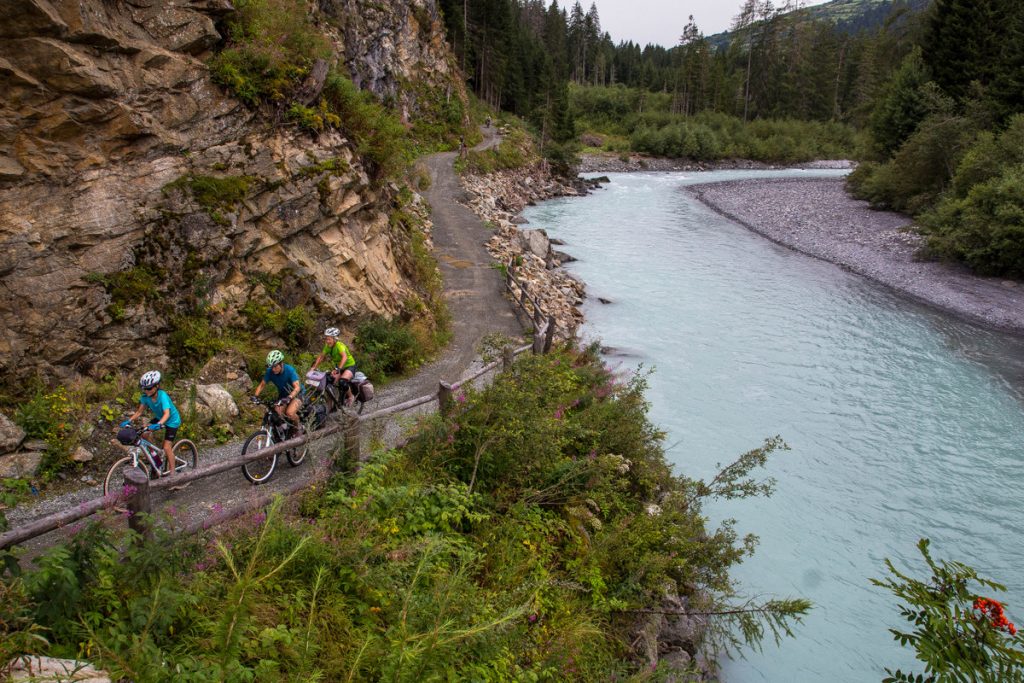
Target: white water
{"x": 904, "y": 422}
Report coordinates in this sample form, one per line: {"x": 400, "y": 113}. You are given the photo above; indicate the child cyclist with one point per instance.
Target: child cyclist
{"x": 284, "y": 377}
{"x": 165, "y": 415}
{"x": 341, "y": 357}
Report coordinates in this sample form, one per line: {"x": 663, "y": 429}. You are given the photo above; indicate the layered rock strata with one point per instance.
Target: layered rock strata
{"x": 133, "y": 190}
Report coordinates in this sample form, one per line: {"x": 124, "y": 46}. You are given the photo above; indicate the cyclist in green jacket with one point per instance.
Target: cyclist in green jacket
{"x": 341, "y": 357}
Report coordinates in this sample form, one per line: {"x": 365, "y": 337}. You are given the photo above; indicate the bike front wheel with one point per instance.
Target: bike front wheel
{"x": 114, "y": 480}
{"x": 186, "y": 455}
{"x": 260, "y": 470}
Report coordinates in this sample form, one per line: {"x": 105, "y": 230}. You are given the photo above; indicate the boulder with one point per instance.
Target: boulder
{"x": 11, "y": 435}
{"x": 43, "y": 669}
{"x": 20, "y": 465}
{"x": 82, "y": 454}
{"x": 203, "y": 414}
{"x": 217, "y": 398}
{"x": 535, "y": 242}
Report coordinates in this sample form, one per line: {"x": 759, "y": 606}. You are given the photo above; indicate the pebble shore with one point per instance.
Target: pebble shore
{"x": 818, "y": 218}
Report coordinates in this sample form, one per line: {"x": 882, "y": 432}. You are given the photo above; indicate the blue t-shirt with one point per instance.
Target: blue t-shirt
{"x": 285, "y": 381}
{"x": 158, "y": 404}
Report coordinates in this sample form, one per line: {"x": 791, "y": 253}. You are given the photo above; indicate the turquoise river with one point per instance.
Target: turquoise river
{"x": 904, "y": 422}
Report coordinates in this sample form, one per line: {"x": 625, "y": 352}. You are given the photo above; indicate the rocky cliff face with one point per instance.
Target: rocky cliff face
{"x": 133, "y": 190}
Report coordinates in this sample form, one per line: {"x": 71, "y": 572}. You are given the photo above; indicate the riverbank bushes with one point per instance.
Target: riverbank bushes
{"x": 947, "y": 137}
{"x": 625, "y": 119}
{"x": 519, "y": 538}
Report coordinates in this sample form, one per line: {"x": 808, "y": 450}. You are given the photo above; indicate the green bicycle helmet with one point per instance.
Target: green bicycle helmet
{"x": 274, "y": 357}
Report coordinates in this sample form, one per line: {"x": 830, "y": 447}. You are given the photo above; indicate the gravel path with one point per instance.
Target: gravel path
{"x": 818, "y": 218}
{"x": 475, "y": 294}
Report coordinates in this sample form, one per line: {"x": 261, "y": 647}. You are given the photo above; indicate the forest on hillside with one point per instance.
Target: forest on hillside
{"x": 929, "y": 95}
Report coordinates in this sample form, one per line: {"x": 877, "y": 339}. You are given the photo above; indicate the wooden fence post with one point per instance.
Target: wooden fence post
{"x": 507, "y": 357}
{"x": 538, "y": 342}
{"x": 136, "y": 487}
{"x": 538, "y": 317}
{"x": 352, "y": 438}
{"x": 549, "y": 334}
{"x": 444, "y": 398}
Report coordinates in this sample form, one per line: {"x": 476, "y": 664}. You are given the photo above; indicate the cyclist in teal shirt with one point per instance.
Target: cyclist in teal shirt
{"x": 284, "y": 377}
{"x": 165, "y": 414}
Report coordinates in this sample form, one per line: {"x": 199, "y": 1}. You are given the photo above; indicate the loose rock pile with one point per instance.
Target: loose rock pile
{"x": 498, "y": 198}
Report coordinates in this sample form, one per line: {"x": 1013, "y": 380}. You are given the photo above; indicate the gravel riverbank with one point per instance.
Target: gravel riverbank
{"x": 818, "y": 218}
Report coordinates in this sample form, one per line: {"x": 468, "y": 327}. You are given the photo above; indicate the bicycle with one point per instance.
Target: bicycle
{"x": 323, "y": 390}
{"x": 274, "y": 429}
{"x": 148, "y": 457}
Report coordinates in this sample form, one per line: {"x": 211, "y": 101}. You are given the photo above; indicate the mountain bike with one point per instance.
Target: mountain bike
{"x": 331, "y": 392}
{"x": 148, "y": 457}
{"x": 275, "y": 429}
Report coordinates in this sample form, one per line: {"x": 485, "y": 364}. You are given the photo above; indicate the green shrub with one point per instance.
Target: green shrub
{"x": 462, "y": 557}
{"x": 314, "y": 119}
{"x": 53, "y": 417}
{"x": 386, "y": 348}
{"x": 193, "y": 341}
{"x": 985, "y": 229}
{"x": 515, "y": 151}
{"x": 958, "y": 634}
{"x": 271, "y": 46}
{"x": 378, "y": 134}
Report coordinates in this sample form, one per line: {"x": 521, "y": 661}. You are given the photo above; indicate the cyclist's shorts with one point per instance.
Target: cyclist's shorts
{"x": 169, "y": 432}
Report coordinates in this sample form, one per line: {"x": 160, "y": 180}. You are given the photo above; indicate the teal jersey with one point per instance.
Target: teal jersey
{"x": 158, "y": 404}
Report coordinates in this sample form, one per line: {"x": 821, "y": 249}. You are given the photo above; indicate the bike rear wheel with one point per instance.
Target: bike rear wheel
{"x": 258, "y": 471}
{"x": 114, "y": 480}
{"x": 297, "y": 455}
{"x": 186, "y": 455}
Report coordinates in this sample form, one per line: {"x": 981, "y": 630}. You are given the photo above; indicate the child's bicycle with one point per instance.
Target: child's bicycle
{"x": 148, "y": 457}
{"x": 274, "y": 429}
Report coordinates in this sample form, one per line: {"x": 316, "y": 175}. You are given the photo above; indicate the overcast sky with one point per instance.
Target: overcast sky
{"x": 662, "y": 21}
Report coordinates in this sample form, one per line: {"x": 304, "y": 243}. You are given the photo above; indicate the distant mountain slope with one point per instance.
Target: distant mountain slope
{"x": 850, "y": 16}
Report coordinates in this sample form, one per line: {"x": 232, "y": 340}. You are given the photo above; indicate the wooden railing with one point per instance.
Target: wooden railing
{"x": 135, "y": 495}
{"x": 543, "y": 329}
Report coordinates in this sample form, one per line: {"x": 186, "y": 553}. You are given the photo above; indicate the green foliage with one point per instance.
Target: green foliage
{"x": 51, "y": 416}
{"x": 129, "y": 286}
{"x": 271, "y": 46}
{"x": 511, "y": 541}
{"x": 214, "y": 194}
{"x": 387, "y": 348}
{"x": 515, "y": 151}
{"x": 439, "y": 120}
{"x": 651, "y": 126}
{"x": 921, "y": 169}
{"x": 985, "y": 229}
{"x": 902, "y": 107}
{"x": 314, "y": 119}
{"x": 958, "y": 634}
{"x": 194, "y": 340}
{"x": 378, "y": 134}
{"x": 295, "y": 325}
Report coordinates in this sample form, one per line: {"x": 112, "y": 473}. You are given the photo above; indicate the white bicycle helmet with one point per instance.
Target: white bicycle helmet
{"x": 332, "y": 332}
{"x": 274, "y": 357}
{"x": 150, "y": 379}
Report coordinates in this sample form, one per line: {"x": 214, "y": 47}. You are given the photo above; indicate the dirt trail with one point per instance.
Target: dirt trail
{"x": 473, "y": 289}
